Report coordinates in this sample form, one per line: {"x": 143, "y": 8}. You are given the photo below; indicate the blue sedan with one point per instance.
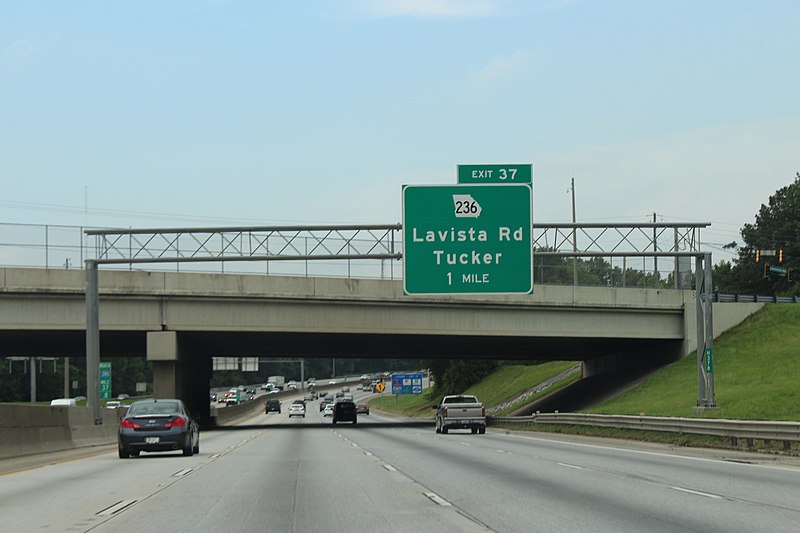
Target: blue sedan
{"x": 158, "y": 426}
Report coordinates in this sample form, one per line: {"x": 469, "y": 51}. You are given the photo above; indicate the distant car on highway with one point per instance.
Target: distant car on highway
{"x": 64, "y": 402}
{"x": 113, "y": 404}
{"x": 273, "y": 406}
{"x": 328, "y": 411}
{"x": 297, "y": 409}
{"x": 362, "y": 408}
{"x": 157, "y": 426}
{"x": 344, "y": 411}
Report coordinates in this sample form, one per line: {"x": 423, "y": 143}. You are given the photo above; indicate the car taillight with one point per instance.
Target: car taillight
{"x": 483, "y": 412}
{"x": 129, "y": 424}
{"x": 179, "y": 421}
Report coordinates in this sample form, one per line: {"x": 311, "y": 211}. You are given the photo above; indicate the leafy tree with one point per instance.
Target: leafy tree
{"x": 454, "y": 376}
{"x": 776, "y": 226}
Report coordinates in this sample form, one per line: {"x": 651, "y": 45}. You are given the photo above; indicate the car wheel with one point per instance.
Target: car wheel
{"x": 473, "y": 430}
{"x": 482, "y": 430}
{"x": 438, "y": 430}
{"x": 444, "y": 430}
{"x": 124, "y": 453}
{"x": 188, "y": 450}
{"x": 135, "y": 453}
{"x": 334, "y": 420}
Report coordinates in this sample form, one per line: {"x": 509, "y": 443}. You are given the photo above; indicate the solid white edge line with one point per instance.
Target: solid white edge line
{"x": 390, "y": 468}
{"x": 697, "y": 493}
{"x": 575, "y": 467}
{"x": 183, "y": 472}
{"x": 437, "y": 499}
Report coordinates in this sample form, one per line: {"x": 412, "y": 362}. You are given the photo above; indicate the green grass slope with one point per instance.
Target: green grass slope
{"x": 503, "y": 384}
{"x": 756, "y": 374}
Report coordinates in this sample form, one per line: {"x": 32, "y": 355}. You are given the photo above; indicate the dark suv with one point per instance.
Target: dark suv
{"x": 273, "y": 405}
{"x": 344, "y": 411}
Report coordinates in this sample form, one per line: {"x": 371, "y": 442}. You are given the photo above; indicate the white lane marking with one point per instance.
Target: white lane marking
{"x": 215, "y": 456}
{"x": 503, "y": 452}
{"x": 182, "y": 472}
{"x": 117, "y": 507}
{"x": 390, "y": 468}
{"x": 571, "y": 466}
{"x": 697, "y": 493}
{"x": 464, "y": 443}
{"x": 437, "y": 499}
{"x": 354, "y": 445}
{"x": 368, "y": 454}
{"x": 643, "y": 452}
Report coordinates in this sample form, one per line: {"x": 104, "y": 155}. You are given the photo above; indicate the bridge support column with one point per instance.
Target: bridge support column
{"x": 179, "y": 372}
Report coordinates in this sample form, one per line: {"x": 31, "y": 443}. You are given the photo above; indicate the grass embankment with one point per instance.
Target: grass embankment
{"x": 756, "y": 375}
{"x": 503, "y": 384}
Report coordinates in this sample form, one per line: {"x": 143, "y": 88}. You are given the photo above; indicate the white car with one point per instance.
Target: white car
{"x": 113, "y": 404}
{"x": 297, "y": 409}
{"x": 328, "y": 410}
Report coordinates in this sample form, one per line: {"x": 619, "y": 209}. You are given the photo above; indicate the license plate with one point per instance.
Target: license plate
{"x": 151, "y": 440}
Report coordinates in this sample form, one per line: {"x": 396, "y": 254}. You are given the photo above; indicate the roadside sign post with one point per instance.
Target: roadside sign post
{"x": 467, "y": 239}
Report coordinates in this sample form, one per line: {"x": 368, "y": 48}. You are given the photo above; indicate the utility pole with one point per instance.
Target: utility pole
{"x": 33, "y": 379}
{"x": 66, "y": 377}
{"x": 574, "y": 238}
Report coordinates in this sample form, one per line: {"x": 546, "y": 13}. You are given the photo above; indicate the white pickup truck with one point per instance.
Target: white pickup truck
{"x": 460, "y": 412}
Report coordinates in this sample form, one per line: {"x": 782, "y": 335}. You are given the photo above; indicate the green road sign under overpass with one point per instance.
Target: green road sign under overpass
{"x": 467, "y": 239}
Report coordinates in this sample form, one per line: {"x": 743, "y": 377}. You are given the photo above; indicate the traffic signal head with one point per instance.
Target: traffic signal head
{"x": 780, "y": 255}
{"x": 758, "y": 255}
{"x": 766, "y": 270}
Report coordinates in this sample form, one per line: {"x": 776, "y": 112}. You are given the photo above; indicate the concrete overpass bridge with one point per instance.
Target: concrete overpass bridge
{"x": 180, "y": 320}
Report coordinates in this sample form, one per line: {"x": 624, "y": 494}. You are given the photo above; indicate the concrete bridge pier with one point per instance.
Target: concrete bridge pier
{"x": 180, "y": 372}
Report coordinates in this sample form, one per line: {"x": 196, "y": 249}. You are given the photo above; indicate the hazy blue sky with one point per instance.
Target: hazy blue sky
{"x": 215, "y": 112}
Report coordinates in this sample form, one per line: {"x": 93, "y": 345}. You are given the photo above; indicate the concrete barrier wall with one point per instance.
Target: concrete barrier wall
{"x": 32, "y": 429}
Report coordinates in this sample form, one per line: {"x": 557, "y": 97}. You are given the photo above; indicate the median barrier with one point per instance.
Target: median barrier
{"x": 32, "y": 429}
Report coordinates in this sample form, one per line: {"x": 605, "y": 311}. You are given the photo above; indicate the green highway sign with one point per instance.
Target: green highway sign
{"x": 778, "y": 270}
{"x": 467, "y": 239}
{"x": 709, "y": 361}
{"x": 484, "y": 174}
{"x": 105, "y": 381}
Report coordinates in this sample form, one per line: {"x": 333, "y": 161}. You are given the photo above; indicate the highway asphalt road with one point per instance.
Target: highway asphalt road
{"x": 306, "y": 475}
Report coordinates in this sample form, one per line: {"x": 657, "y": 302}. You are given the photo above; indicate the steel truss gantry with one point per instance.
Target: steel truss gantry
{"x": 359, "y": 242}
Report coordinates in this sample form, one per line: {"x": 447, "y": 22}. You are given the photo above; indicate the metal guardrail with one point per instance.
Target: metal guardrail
{"x": 749, "y": 298}
{"x": 734, "y": 429}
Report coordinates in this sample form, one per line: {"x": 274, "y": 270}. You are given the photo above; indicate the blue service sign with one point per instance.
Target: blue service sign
{"x": 406, "y": 383}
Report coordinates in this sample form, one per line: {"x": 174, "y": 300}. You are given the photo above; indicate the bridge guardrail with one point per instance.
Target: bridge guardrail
{"x": 750, "y": 298}
{"x": 734, "y": 429}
